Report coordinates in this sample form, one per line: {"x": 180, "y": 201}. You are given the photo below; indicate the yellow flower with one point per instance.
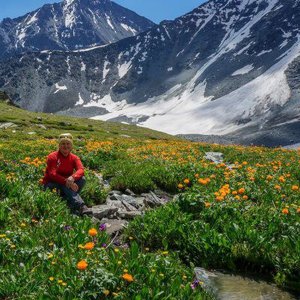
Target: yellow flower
{"x": 51, "y": 278}
{"x": 106, "y": 292}
{"x": 23, "y": 225}
{"x": 165, "y": 252}
{"x": 116, "y": 250}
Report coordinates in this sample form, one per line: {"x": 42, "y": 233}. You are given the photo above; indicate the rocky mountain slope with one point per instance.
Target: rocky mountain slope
{"x": 227, "y": 67}
{"x": 69, "y": 25}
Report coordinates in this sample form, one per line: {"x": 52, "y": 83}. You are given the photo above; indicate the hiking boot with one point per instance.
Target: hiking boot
{"x": 84, "y": 210}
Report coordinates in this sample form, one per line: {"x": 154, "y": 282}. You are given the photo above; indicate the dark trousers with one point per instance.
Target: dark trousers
{"x": 73, "y": 198}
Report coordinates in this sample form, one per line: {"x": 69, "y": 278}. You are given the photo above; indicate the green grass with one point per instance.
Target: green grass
{"x": 41, "y": 243}
{"x": 244, "y": 219}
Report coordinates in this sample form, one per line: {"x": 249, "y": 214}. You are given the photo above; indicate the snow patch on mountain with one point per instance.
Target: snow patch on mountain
{"x": 128, "y": 28}
{"x": 182, "y": 110}
{"x": 105, "y": 102}
{"x": 243, "y": 70}
{"x": 59, "y": 88}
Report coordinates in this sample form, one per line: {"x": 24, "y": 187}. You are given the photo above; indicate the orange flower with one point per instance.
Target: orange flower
{"x": 207, "y": 204}
{"x": 277, "y": 187}
{"x": 241, "y": 191}
{"x": 298, "y": 210}
{"x": 82, "y": 265}
{"x": 89, "y": 246}
{"x": 186, "y": 181}
{"x": 203, "y": 181}
{"x": 93, "y": 232}
{"x": 219, "y": 198}
{"x": 180, "y": 185}
{"x": 269, "y": 177}
{"x": 234, "y": 193}
{"x": 295, "y": 188}
{"x": 285, "y": 211}
{"x": 127, "y": 277}
{"x": 245, "y": 197}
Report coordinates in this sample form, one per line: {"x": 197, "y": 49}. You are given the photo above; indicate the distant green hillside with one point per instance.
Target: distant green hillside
{"x": 31, "y": 121}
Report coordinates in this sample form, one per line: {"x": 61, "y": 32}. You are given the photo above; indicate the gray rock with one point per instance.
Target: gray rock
{"x": 115, "y": 203}
{"x": 103, "y": 182}
{"x": 129, "y": 192}
{"x": 41, "y": 126}
{"x": 113, "y": 194}
{"x": 128, "y": 215}
{"x": 216, "y": 157}
{"x": 7, "y": 125}
{"x": 128, "y": 206}
{"x": 152, "y": 200}
{"x": 114, "y": 225}
{"x": 101, "y": 211}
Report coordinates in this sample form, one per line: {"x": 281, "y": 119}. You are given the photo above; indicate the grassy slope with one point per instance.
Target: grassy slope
{"x": 41, "y": 242}
{"x": 261, "y": 195}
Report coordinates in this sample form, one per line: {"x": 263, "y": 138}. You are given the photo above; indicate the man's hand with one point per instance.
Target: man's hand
{"x": 69, "y": 182}
{"x": 74, "y": 187}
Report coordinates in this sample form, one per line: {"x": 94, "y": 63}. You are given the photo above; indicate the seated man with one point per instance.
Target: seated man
{"x": 65, "y": 172}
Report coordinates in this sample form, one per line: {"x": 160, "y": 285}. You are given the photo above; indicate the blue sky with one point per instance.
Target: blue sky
{"x": 155, "y": 10}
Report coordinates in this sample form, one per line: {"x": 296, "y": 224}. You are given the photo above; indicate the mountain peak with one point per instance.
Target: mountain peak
{"x": 70, "y": 25}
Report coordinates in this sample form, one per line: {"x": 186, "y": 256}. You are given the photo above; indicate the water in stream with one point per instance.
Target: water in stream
{"x": 234, "y": 287}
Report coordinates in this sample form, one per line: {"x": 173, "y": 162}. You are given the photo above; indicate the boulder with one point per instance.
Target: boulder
{"x": 128, "y": 215}
{"x": 114, "y": 225}
{"x": 101, "y": 211}
{"x": 7, "y": 125}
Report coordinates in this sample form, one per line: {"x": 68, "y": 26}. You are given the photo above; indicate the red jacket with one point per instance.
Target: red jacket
{"x": 59, "y": 168}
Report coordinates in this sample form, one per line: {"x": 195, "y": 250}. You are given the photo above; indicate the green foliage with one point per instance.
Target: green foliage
{"x": 93, "y": 192}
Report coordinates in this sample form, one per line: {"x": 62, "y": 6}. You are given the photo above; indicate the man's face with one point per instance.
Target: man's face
{"x": 65, "y": 147}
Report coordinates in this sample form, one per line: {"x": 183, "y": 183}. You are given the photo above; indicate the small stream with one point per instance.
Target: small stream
{"x": 226, "y": 286}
